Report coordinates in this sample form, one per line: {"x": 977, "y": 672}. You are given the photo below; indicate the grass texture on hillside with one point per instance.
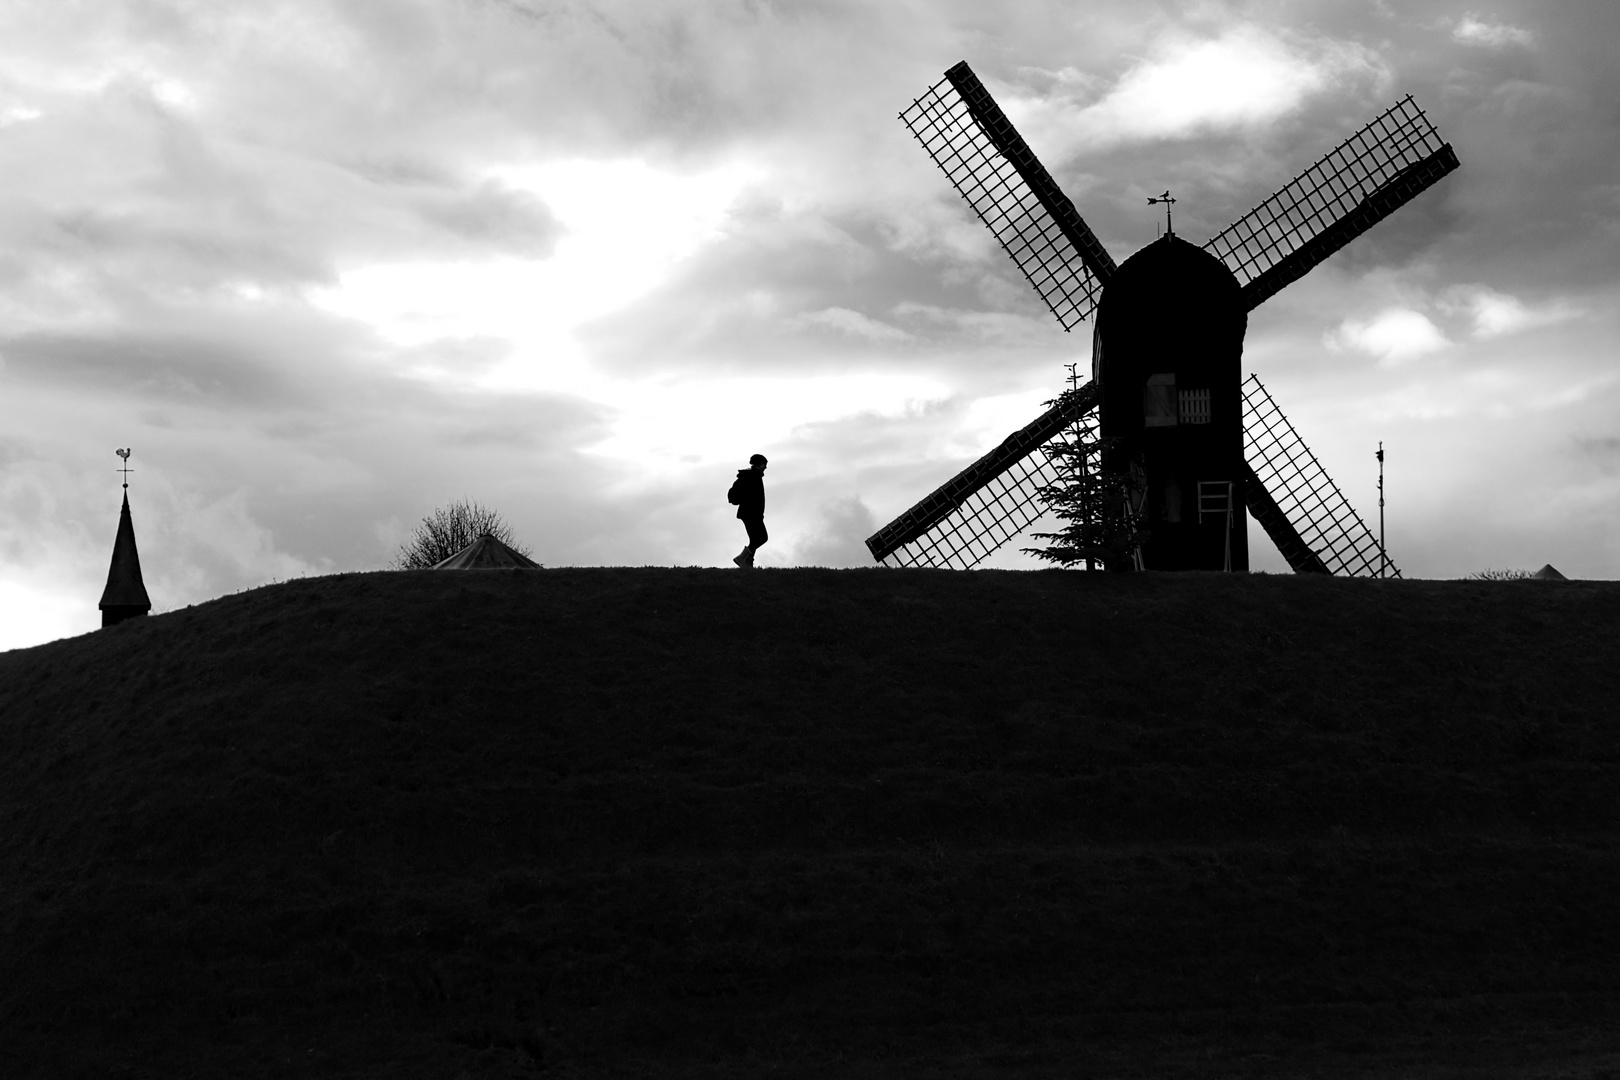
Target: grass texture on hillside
{"x": 818, "y": 823}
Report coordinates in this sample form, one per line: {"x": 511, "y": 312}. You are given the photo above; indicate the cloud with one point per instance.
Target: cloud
{"x": 852, "y": 323}
{"x": 328, "y": 266}
{"x": 224, "y": 374}
{"x": 1243, "y": 78}
{"x": 1002, "y": 327}
{"x": 624, "y": 226}
{"x": 1495, "y": 314}
{"x": 838, "y": 537}
{"x": 672, "y": 426}
{"x": 1603, "y": 451}
{"x": 1472, "y": 30}
{"x": 496, "y": 218}
{"x": 209, "y": 544}
{"x": 1393, "y": 335}
{"x": 39, "y": 608}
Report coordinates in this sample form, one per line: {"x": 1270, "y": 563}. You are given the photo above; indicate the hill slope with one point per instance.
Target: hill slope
{"x": 852, "y": 823}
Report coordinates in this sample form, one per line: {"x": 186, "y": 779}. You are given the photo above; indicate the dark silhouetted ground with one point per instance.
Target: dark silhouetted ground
{"x": 807, "y": 823}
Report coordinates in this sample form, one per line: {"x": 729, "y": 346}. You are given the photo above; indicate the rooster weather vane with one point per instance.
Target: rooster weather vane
{"x": 1154, "y": 200}
{"x": 1173, "y": 409}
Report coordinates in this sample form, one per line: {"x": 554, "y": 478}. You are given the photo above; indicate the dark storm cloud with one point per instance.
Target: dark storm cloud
{"x": 218, "y": 374}
{"x": 1601, "y": 451}
{"x": 794, "y": 296}
{"x": 493, "y": 218}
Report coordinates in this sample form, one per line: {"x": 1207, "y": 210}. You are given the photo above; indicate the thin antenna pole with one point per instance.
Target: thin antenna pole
{"x": 124, "y": 468}
{"x": 1383, "y": 555}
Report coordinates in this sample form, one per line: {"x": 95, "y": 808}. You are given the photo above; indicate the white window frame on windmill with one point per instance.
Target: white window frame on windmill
{"x": 1193, "y": 406}
{"x": 1159, "y": 401}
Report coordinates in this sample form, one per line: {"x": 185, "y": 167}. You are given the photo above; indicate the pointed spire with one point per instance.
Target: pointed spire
{"x": 125, "y": 595}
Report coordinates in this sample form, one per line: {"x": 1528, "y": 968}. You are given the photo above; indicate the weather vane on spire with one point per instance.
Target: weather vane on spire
{"x": 124, "y": 468}
{"x": 1168, "y": 202}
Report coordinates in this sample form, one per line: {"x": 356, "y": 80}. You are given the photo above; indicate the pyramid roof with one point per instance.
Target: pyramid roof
{"x": 486, "y": 553}
{"x": 1549, "y": 573}
{"x": 125, "y": 589}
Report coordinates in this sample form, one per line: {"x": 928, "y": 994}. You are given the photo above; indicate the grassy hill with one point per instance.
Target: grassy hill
{"x": 819, "y": 823}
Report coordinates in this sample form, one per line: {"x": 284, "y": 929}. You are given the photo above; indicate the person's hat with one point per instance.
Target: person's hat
{"x": 758, "y": 459}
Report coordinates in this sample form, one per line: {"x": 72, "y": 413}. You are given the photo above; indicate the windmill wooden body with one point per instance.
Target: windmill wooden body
{"x": 1205, "y": 447}
{"x": 1167, "y": 358}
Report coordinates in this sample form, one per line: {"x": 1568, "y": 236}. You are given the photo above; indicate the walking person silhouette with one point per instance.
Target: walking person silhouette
{"x": 748, "y": 494}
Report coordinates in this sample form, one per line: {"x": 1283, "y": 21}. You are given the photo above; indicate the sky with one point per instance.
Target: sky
{"x": 327, "y": 266}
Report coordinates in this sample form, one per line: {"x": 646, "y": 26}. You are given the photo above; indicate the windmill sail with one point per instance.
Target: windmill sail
{"x": 1359, "y": 183}
{"x": 971, "y": 139}
{"x": 1293, "y": 547}
{"x": 964, "y": 521}
{"x": 1296, "y": 502}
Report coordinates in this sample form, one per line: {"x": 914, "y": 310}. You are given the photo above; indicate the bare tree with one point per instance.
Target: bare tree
{"x": 449, "y": 529}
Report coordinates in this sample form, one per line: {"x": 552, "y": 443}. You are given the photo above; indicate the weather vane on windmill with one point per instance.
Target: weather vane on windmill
{"x": 1154, "y": 200}
{"x": 1168, "y": 392}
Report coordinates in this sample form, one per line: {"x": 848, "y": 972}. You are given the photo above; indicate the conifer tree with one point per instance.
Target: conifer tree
{"x": 1093, "y": 500}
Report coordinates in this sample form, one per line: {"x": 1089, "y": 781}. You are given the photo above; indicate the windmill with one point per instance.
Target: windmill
{"x": 1204, "y": 446}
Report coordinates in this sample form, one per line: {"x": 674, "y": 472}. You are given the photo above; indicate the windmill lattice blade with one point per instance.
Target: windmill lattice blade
{"x": 971, "y": 139}
{"x": 1321, "y": 518}
{"x": 963, "y": 521}
{"x": 984, "y": 522}
{"x": 1282, "y": 532}
{"x": 1359, "y": 183}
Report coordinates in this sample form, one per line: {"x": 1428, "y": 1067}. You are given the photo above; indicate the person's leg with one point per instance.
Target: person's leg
{"x": 756, "y": 536}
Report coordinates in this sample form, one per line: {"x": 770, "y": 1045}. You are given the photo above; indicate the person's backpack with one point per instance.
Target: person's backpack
{"x": 734, "y": 497}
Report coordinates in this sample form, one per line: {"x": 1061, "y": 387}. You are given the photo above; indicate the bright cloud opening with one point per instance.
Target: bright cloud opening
{"x": 627, "y": 225}
{"x": 18, "y": 114}
{"x": 1393, "y": 335}
{"x": 1244, "y": 78}
{"x": 35, "y": 614}
{"x": 1472, "y": 30}
{"x": 1495, "y": 314}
